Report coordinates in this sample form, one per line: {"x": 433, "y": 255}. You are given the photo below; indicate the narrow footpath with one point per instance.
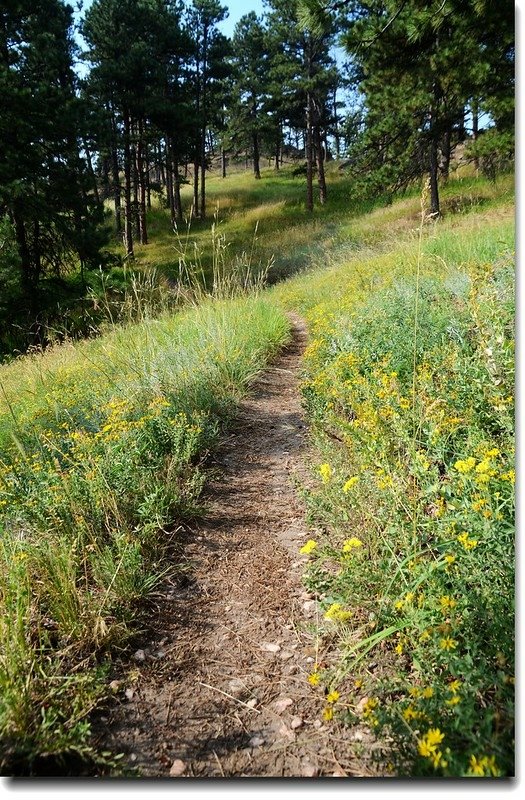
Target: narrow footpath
{"x": 220, "y": 686}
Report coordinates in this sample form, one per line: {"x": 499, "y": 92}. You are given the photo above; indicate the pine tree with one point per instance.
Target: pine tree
{"x": 45, "y": 185}
{"x": 210, "y": 51}
{"x": 250, "y": 86}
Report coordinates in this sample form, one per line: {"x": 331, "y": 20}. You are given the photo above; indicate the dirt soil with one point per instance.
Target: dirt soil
{"x": 220, "y": 684}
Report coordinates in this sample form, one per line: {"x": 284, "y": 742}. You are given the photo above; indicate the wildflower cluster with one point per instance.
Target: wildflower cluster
{"x": 419, "y": 502}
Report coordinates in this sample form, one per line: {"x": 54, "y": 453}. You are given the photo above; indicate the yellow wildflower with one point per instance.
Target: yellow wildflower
{"x": 325, "y": 470}
{"x": 454, "y": 686}
{"x": 438, "y": 760}
{"x": 328, "y": 714}
{"x": 446, "y": 602}
{"x": 483, "y": 466}
{"x": 478, "y": 504}
{"x": 484, "y": 766}
{"x": 509, "y": 476}
{"x": 466, "y": 465}
{"x": 434, "y": 736}
{"x": 308, "y": 547}
{"x": 337, "y": 613}
{"x": 410, "y": 713}
{"x": 468, "y": 544}
{"x": 428, "y": 747}
{"x": 350, "y": 544}
{"x": 350, "y": 483}
{"x": 424, "y": 748}
{"x": 370, "y": 706}
{"x": 453, "y": 701}
{"x": 313, "y": 679}
{"x": 427, "y": 692}
{"x": 449, "y": 558}
{"x": 333, "y": 696}
{"x": 448, "y": 643}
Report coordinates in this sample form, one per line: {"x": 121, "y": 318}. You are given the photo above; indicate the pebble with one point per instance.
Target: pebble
{"x": 309, "y": 770}
{"x": 285, "y": 655}
{"x": 129, "y": 694}
{"x": 270, "y": 647}
{"x": 282, "y": 704}
{"x": 177, "y": 768}
{"x": 256, "y": 741}
{"x": 236, "y": 686}
{"x": 286, "y": 733}
{"x": 296, "y": 723}
{"x": 139, "y": 655}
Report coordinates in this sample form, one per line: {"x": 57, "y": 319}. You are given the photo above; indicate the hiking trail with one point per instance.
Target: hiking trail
{"x": 220, "y": 686}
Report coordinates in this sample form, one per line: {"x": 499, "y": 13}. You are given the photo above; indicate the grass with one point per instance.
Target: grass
{"x": 408, "y": 389}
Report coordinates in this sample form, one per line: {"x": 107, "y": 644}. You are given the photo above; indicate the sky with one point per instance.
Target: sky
{"x": 237, "y": 9}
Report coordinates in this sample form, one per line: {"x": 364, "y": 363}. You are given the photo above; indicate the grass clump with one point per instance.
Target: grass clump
{"x": 409, "y": 380}
{"x": 101, "y": 451}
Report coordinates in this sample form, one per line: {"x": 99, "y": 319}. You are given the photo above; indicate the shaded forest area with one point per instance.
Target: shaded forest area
{"x": 162, "y": 96}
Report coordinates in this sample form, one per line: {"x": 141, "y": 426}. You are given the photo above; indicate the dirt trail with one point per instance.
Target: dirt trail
{"x": 221, "y": 687}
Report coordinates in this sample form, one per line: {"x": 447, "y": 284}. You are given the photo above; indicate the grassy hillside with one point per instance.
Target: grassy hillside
{"x": 101, "y": 445}
{"x": 408, "y": 389}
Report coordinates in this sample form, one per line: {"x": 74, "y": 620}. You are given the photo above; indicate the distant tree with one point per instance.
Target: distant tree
{"x": 303, "y": 67}
{"x": 46, "y": 189}
{"x": 210, "y": 70}
{"x": 419, "y": 65}
{"x": 248, "y": 118}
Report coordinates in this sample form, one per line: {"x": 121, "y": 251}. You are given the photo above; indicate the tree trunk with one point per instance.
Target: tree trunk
{"x": 309, "y": 152}
{"x": 196, "y": 188}
{"x": 223, "y": 162}
{"x": 321, "y": 179}
{"x": 446, "y": 150}
{"x": 177, "y": 203}
{"x": 128, "y": 228}
{"x": 26, "y": 265}
{"x": 434, "y": 171}
{"x": 92, "y": 171}
{"x": 135, "y": 185}
{"x": 148, "y": 183}
{"x": 337, "y": 137}
{"x": 475, "y": 127}
{"x": 115, "y": 177}
{"x": 256, "y": 155}
{"x": 433, "y": 155}
{"x": 203, "y": 174}
{"x": 141, "y": 175}
{"x": 169, "y": 182}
